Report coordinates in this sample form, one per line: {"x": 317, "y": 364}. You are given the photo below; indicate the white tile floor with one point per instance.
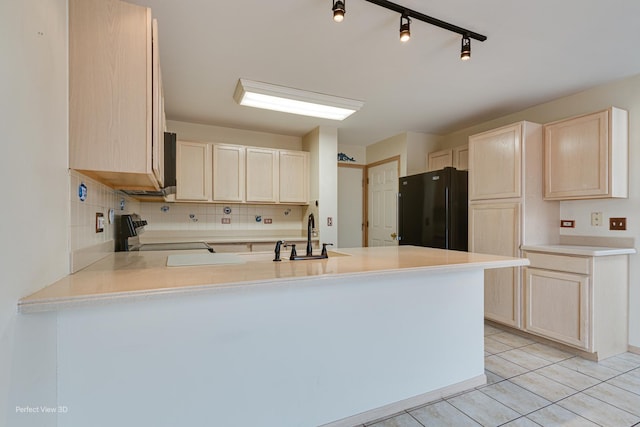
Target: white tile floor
{"x": 532, "y": 384}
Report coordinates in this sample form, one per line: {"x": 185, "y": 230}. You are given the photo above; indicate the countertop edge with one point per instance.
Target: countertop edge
{"x": 61, "y": 303}
{"x": 594, "y": 251}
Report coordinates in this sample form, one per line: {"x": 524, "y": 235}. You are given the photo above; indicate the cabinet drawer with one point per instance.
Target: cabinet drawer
{"x": 571, "y": 264}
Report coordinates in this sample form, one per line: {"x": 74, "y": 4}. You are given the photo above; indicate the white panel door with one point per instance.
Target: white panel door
{"x": 350, "y": 215}
{"x": 383, "y": 204}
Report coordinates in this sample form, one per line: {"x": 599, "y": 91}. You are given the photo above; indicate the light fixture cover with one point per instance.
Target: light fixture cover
{"x": 295, "y": 101}
{"x": 338, "y": 10}
{"x": 465, "y": 49}
{"x": 405, "y": 30}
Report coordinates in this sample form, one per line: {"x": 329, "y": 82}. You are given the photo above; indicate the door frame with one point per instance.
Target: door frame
{"x": 396, "y": 159}
{"x": 364, "y": 196}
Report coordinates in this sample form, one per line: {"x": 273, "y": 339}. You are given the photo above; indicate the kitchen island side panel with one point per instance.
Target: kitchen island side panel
{"x": 280, "y": 354}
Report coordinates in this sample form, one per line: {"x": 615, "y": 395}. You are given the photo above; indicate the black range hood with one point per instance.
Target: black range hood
{"x": 169, "y": 172}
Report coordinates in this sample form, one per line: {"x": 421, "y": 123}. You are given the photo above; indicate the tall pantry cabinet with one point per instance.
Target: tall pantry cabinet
{"x": 506, "y": 209}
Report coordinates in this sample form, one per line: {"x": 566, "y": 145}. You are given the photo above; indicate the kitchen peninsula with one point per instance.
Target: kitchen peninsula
{"x": 364, "y": 333}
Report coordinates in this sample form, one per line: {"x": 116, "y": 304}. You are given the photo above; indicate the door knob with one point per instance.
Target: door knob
{"x": 394, "y": 235}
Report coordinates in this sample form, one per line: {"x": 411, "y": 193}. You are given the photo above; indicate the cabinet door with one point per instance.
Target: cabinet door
{"x": 461, "y": 158}
{"x": 228, "y": 172}
{"x": 157, "y": 155}
{"x": 110, "y": 92}
{"x": 495, "y": 229}
{"x": 495, "y": 160}
{"x": 576, "y": 157}
{"x": 193, "y": 171}
{"x": 437, "y": 160}
{"x": 294, "y": 177}
{"x": 557, "y": 306}
{"x": 262, "y": 175}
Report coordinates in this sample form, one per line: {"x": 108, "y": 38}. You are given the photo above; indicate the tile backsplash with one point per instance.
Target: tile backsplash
{"x": 168, "y": 216}
{"x": 221, "y": 217}
{"x": 99, "y": 198}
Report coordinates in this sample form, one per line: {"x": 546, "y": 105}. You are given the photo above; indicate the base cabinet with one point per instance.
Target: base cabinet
{"x": 494, "y": 228}
{"x": 557, "y": 305}
{"x": 581, "y": 301}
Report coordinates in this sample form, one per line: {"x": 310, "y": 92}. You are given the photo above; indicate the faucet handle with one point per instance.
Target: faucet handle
{"x": 324, "y": 249}
{"x": 293, "y": 251}
{"x": 277, "y": 250}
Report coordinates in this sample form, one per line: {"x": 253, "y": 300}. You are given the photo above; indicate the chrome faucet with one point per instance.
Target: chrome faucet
{"x": 311, "y": 223}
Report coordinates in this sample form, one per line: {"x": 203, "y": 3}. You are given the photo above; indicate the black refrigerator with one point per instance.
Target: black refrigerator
{"x": 433, "y": 209}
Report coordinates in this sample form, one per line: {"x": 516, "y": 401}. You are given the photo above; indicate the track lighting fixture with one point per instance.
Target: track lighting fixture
{"x": 338, "y": 10}
{"x": 405, "y": 30}
{"x": 465, "y": 50}
{"x": 405, "y": 22}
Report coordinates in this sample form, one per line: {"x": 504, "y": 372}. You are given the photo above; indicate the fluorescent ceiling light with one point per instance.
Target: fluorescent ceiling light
{"x": 294, "y": 101}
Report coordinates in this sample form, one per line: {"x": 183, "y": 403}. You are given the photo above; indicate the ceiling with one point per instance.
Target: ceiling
{"x": 536, "y": 51}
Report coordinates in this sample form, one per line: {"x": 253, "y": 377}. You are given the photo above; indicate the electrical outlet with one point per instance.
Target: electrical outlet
{"x": 329, "y": 221}
{"x": 617, "y": 223}
{"x": 596, "y": 219}
{"x": 268, "y": 220}
{"x": 567, "y": 223}
{"x": 99, "y": 222}
{"x": 226, "y": 220}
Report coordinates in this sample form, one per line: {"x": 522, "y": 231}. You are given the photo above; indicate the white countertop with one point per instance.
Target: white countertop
{"x": 578, "y": 250}
{"x": 127, "y": 275}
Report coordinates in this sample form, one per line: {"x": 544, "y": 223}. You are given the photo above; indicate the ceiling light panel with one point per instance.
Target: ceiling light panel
{"x": 294, "y": 101}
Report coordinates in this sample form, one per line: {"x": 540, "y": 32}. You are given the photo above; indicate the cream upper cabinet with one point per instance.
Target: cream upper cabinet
{"x": 581, "y": 301}
{"x": 585, "y": 157}
{"x": 495, "y": 160}
{"x": 111, "y": 93}
{"x": 228, "y": 172}
{"x": 457, "y": 157}
{"x": 214, "y": 172}
{"x": 294, "y": 176}
{"x": 193, "y": 171}
{"x": 494, "y": 228}
{"x": 262, "y": 175}
{"x": 461, "y": 157}
{"x": 158, "y": 119}
{"x": 437, "y": 160}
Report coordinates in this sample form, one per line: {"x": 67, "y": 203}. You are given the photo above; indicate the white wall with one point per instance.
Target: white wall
{"x": 322, "y": 144}
{"x": 207, "y": 133}
{"x": 624, "y": 94}
{"x": 357, "y": 152}
{"x": 388, "y": 148}
{"x": 33, "y": 107}
{"x": 418, "y": 146}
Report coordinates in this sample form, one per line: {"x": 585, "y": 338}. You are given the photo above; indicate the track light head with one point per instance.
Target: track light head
{"x": 405, "y": 30}
{"x": 338, "y": 10}
{"x": 465, "y": 50}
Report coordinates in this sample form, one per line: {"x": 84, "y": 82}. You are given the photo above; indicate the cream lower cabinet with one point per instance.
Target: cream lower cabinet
{"x": 557, "y": 306}
{"x": 494, "y": 228}
{"x": 581, "y": 301}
